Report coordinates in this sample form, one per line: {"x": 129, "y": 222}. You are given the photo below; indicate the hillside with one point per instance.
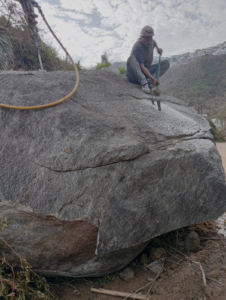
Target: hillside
{"x": 25, "y": 57}
{"x": 201, "y": 83}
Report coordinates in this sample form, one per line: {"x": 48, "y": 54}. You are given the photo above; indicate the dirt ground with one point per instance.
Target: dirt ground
{"x": 182, "y": 278}
{"x": 221, "y": 147}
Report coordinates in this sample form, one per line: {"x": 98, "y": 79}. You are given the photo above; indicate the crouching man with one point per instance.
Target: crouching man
{"x": 139, "y": 68}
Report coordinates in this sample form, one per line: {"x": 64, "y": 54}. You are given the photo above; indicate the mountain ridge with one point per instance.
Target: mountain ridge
{"x": 200, "y": 83}
{"x": 184, "y": 58}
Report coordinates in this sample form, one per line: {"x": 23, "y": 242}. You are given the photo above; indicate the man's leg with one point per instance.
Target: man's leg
{"x": 165, "y": 64}
{"x": 134, "y": 73}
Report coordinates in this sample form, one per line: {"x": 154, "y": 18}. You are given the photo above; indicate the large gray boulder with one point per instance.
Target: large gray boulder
{"x": 86, "y": 184}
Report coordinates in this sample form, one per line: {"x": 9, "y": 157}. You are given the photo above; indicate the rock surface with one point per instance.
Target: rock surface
{"x": 192, "y": 241}
{"x": 158, "y": 253}
{"x": 86, "y": 184}
{"x": 143, "y": 259}
{"x": 155, "y": 266}
{"x": 127, "y": 274}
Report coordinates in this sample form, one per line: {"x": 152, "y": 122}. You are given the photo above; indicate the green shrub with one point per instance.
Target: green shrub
{"x": 49, "y": 52}
{"x": 6, "y": 52}
{"x": 213, "y": 129}
{"x": 67, "y": 65}
{"x": 122, "y": 70}
{"x": 103, "y": 65}
{"x": 218, "y": 134}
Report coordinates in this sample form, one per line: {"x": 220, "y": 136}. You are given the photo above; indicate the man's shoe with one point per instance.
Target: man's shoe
{"x": 146, "y": 89}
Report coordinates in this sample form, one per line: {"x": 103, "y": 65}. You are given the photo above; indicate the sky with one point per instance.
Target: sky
{"x": 88, "y": 28}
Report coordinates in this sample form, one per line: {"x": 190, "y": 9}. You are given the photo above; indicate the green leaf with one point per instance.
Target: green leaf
{"x": 6, "y": 52}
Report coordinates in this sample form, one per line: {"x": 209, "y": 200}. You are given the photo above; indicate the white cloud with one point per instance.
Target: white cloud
{"x": 88, "y": 28}
{"x": 73, "y": 15}
{"x": 104, "y": 8}
{"x": 86, "y": 6}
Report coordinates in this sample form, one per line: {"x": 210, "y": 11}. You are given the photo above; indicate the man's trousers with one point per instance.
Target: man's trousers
{"x": 135, "y": 75}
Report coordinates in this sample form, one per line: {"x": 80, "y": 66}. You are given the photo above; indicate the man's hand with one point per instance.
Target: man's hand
{"x": 159, "y": 50}
{"x": 148, "y": 74}
{"x": 155, "y": 82}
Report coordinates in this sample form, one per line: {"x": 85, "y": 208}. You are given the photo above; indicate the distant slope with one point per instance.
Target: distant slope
{"x": 201, "y": 83}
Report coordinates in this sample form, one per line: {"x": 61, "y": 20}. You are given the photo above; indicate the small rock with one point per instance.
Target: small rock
{"x": 155, "y": 267}
{"x": 132, "y": 264}
{"x": 150, "y": 278}
{"x": 192, "y": 241}
{"x": 158, "y": 253}
{"x": 180, "y": 246}
{"x": 173, "y": 266}
{"x": 127, "y": 274}
{"x": 156, "y": 242}
{"x": 163, "y": 275}
{"x": 143, "y": 259}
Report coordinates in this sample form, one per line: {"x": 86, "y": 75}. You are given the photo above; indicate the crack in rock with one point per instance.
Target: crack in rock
{"x": 91, "y": 167}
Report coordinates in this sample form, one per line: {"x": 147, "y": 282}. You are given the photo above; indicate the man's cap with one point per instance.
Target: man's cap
{"x": 147, "y": 31}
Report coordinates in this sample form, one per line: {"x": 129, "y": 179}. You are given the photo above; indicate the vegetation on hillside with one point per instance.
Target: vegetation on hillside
{"x": 6, "y": 53}
{"x": 200, "y": 83}
{"x": 24, "y": 53}
{"x": 122, "y": 70}
{"x": 103, "y": 65}
{"x": 20, "y": 283}
{"x": 217, "y": 133}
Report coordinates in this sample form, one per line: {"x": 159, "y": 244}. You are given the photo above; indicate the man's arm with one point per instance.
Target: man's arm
{"x": 159, "y": 50}
{"x": 148, "y": 74}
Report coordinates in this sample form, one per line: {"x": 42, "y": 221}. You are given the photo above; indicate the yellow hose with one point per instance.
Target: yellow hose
{"x": 58, "y": 101}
